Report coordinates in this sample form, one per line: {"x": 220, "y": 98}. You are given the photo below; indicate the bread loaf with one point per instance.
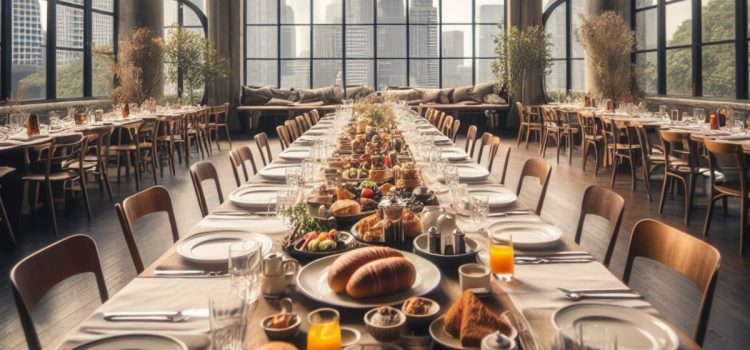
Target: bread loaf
{"x": 345, "y": 207}
{"x": 345, "y": 265}
{"x": 382, "y": 276}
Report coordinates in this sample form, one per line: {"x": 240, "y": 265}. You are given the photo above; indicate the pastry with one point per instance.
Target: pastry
{"x": 378, "y": 174}
{"x": 470, "y": 320}
{"x": 417, "y": 306}
{"x": 381, "y": 277}
{"x": 346, "y": 264}
{"x": 412, "y": 224}
{"x": 345, "y": 207}
{"x": 342, "y": 193}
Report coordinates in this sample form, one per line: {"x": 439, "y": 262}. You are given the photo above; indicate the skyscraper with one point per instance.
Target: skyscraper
{"x": 391, "y": 43}
{"x": 28, "y": 35}
{"x": 327, "y": 43}
{"x": 423, "y": 42}
{"x": 453, "y": 46}
{"x": 486, "y": 33}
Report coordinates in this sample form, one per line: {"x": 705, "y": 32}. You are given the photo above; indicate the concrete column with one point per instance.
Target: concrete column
{"x": 134, "y": 14}
{"x": 522, "y": 14}
{"x": 225, "y": 33}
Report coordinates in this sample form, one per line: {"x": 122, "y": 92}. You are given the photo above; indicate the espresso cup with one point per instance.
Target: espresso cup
{"x": 474, "y": 276}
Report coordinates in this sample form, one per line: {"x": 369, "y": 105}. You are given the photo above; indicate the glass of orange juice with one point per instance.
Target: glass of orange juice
{"x": 324, "y": 332}
{"x": 501, "y": 256}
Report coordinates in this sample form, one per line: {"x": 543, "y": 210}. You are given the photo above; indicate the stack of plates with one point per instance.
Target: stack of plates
{"x": 527, "y": 235}
{"x": 499, "y": 196}
{"x": 472, "y": 172}
{"x": 254, "y": 197}
{"x": 276, "y": 172}
{"x": 296, "y": 154}
{"x": 453, "y": 153}
{"x": 212, "y": 247}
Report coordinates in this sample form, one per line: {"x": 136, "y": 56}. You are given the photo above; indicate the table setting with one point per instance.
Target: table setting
{"x": 376, "y": 240}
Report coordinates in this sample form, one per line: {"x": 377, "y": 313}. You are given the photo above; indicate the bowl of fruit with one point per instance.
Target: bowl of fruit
{"x": 316, "y": 244}
{"x": 348, "y": 203}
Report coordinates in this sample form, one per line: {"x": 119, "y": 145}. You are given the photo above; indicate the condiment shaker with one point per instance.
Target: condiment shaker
{"x": 498, "y": 341}
{"x": 433, "y": 240}
{"x": 459, "y": 242}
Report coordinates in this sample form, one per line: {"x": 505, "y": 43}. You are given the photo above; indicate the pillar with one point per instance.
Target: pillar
{"x": 225, "y": 28}
{"x": 134, "y": 14}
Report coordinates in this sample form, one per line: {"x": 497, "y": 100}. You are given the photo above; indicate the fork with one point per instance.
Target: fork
{"x": 150, "y": 316}
{"x": 540, "y": 260}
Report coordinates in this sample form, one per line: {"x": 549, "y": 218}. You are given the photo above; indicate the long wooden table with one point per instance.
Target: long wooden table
{"x": 532, "y": 294}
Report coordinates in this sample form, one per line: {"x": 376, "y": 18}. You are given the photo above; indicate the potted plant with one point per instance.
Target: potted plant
{"x": 142, "y": 49}
{"x": 193, "y": 57}
{"x": 521, "y": 54}
{"x": 609, "y": 43}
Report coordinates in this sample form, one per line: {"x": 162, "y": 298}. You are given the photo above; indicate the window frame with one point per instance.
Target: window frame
{"x": 180, "y": 24}
{"x": 696, "y": 46}
{"x": 51, "y": 49}
{"x": 569, "y": 37}
{"x": 375, "y": 24}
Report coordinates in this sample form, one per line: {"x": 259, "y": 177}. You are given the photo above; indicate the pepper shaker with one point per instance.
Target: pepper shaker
{"x": 459, "y": 242}
{"x": 433, "y": 240}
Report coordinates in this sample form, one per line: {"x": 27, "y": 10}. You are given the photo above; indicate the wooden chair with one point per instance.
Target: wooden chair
{"x": 3, "y": 214}
{"x": 301, "y": 123}
{"x": 440, "y": 121}
{"x": 315, "y": 116}
{"x": 138, "y": 142}
{"x": 690, "y": 256}
{"x": 261, "y": 140}
{"x": 283, "y": 136}
{"x": 94, "y": 159}
{"x": 219, "y": 115}
{"x": 622, "y": 145}
{"x": 45, "y": 167}
{"x": 454, "y": 130}
{"x": 680, "y": 164}
{"x": 291, "y": 127}
{"x": 203, "y": 116}
{"x": 723, "y": 189}
{"x": 471, "y": 140}
{"x": 308, "y": 120}
{"x": 530, "y": 123}
{"x": 32, "y": 277}
{"x": 152, "y": 200}
{"x": 607, "y": 204}
{"x": 540, "y": 169}
{"x": 447, "y": 127}
{"x": 486, "y": 141}
{"x": 200, "y": 172}
{"x": 505, "y": 165}
{"x": 239, "y": 157}
{"x": 591, "y": 138}
{"x": 651, "y": 158}
{"x": 558, "y": 128}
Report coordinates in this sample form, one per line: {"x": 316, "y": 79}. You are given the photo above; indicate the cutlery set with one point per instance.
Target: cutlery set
{"x": 155, "y": 316}
{"x": 581, "y": 294}
{"x": 189, "y": 273}
{"x": 567, "y": 257}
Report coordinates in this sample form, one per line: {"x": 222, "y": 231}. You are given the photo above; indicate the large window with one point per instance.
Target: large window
{"x": 315, "y": 43}
{"x": 57, "y": 48}
{"x": 692, "y": 47}
{"x": 561, "y": 19}
{"x": 186, "y": 14}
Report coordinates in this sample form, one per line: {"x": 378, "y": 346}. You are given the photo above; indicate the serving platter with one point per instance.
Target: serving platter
{"x": 135, "y": 341}
{"x": 498, "y": 196}
{"x": 527, "y": 235}
{"x": 254, "y": 197}
{"x": 634, "y": 328}
{"x": 276, "y": 171}
{"x": 212, "y": 247}
{"x": 312, "y": 281}
{"x": 346, "y": 241}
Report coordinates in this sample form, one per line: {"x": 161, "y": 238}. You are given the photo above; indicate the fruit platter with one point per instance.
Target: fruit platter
{"x": 316, "y": 244}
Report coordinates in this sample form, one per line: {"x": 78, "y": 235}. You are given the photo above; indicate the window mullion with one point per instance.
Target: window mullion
{"x": 87, "y": 43}
{"x": 51, "y": 54}
{"x": 697, "y": 55}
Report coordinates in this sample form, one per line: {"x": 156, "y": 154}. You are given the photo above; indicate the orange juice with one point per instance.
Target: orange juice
{"x": 324, "y": 336}
{"x": 501, "y": 259}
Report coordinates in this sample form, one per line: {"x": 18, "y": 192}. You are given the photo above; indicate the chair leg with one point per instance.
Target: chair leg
{"x": 105, "y": 178}
{"x": 51, "y": 200}
{"x": 584, "y": 151}
{"x": 743, "y": 224}
{"x": 85, "y": 192}
{"x": 614, "y": 173}
{"x": 543, "y": 149}
{"x": 647, "y": 181}
{"x": 528, "y": 133}
{"x": 137, "y": 171}
{"x": 559, "y": 141}
{"x": 520, "y": 132}
{"x": 689, "y": 191}
{"x": 226, "y": 129}
{"x": 667, "y": 182}
{"x": 632, "y": 172}
{"x": 710, "y": 214}
{"x": 596, "y": 159}
{"x": 570, "y": 148}
{"x": 8, "y": 227}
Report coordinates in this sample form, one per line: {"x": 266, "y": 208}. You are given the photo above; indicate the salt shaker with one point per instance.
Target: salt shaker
{"x": 498, "y": 341}
{"x": 433, "y": 240}
{"x": 459, "y": 242}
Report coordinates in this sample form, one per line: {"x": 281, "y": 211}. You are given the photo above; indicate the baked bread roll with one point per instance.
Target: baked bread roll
{"x": 345, "y": 265}
{"x": 381, "y": 277}
{"x": 345, "y": 207}
{"x": 412, "y": 224}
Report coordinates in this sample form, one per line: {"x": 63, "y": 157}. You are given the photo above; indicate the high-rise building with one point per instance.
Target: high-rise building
{"x": 391, "y": 11}
{"x": 327, "y": 43}
{"x": 486, "y": 33}
{"x": 69, "y": 34}
{"x": 423, "y": 42}
{"x": 391, "y": 43}
{"x": 28, "y": 35}
{"x": 453, "y": 46}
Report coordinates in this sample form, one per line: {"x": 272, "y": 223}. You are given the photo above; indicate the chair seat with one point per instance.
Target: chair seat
{"x": 5, "y": 170}
{"x": 624, "y": 147}
{"x": 129, "y": 147}
{"x": 62, "y": 175}
{"x": 594, "y": 137}
{"x": 77, "y": 165}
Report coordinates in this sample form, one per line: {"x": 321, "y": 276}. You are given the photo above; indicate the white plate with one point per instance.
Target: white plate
{"x": 441, "y": 139}
{"x": 499, "y": 196}
{"x": 318, "y": 131}
{"x": 472, "y": 172}
{"x": 276, "y": 172}
{"x": 528, "y": 235}
{"x": 312, "y": 281}
{"x": 438, "y": 332}
{"x": 452, "y": 153}
{"x": 635, "y": 329}
{"x": 296, "y": 153}
{"x": 254, "y": 197}
{"x": 134, "y": 341}
{"x": 212, "y": 247}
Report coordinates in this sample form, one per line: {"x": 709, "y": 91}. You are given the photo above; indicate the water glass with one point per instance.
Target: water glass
{"x": 228, "y": 315}
{"x": 584, "y": 336}
{"x": 285, "y": 199}
{"x": 244, "y": 267}
{"x": 479, "y": 206}
{"x": 699, "y": 114}
{"x": 450, "y": 175}
{"x": 307, "y": 172}
{"x": 458, "y": 193}
{"x": 293, "y": 176}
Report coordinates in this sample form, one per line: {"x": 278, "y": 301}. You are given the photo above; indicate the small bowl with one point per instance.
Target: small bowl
{"x": 422, "y": 320}
{"x": 287, "y": 333}
{"x": 349, "y": 336}
{"x": 385, "y": 333}
{"x": 441, "y": 260}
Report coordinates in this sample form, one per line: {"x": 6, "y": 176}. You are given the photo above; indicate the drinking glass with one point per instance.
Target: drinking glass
{"x": 479, "y": 206}
{"x": 699, "y": 114}
{"x": 244, "y": 267}
{"x": 307, "y": 172}
{"x": 450, "y": 175}
{"x": 293, "y": 176}
{"x": 458, "y": 193}
{"x": 324, "y": 332}
{"x": 584, "y": 336}
{"x": 228, "y": 314}
{"x": 285, "y": 199}
{"x": 502, "y": 256}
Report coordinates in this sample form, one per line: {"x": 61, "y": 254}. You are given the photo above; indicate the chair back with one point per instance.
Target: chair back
{"x": 607, "y": 204}
{"x": 301, "y": 123}
{"x": 447, "y": 128}
{"x": 261, "y": 140}
{"x": 440, "y": 121}
{"x": 550, "y": 117}
{"x": 718, "y": 149}
{"x": 308, "y": 120}
{"x": 315, "y": 116}
{"x": 485, "y": 142}
{"x": 238, "y": 157}
{"x": 541, "y": 170}
{"x": 471, "y": 140}
{"x": 523, "y": 114}
{"x": 678, "y": 146}
{"x": 200, "y": 172}
{"x": 590, "y": 125}
{"x": 689, "y": 256}
{"x": 281, "y": 132}
{"x": 291, "y": 127}
{"x": 505, "y": 166}
{"x": 220, "y": 114}
{"x": 32, "y": 277}
{"x": 454, "y": 130}
{"x": 154, "y": 199}
{"x": 494, "y": 147}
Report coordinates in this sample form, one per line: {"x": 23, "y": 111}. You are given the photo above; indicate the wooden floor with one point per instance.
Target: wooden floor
{"x": 73, "y": 300}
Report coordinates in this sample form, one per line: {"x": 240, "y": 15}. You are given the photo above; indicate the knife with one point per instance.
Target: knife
{"x": 509, "y": 213}
{"x": 189, "y": 273}
{"x": 154, "y": 316}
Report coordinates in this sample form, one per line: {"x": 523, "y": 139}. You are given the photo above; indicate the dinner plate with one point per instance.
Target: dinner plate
{"x": 212, "y": 247}
{"x": 528, "y": 235}
{"x": 276, "y": 172}
{"x": 134, "y": 341}
{"x": 498, "y": 196}
{"x": 472, "y": 172}
{"x": 295, "y": 153}
{"x": 441, "y": 140}
{"x": 452, "y": 153}
{"x": 438, "y": 332}
{"x": 254, "y": 197}
{"x": 319, "y": 131}
{"x": 312, "y": 281}
{"x": 634, "y": 328}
